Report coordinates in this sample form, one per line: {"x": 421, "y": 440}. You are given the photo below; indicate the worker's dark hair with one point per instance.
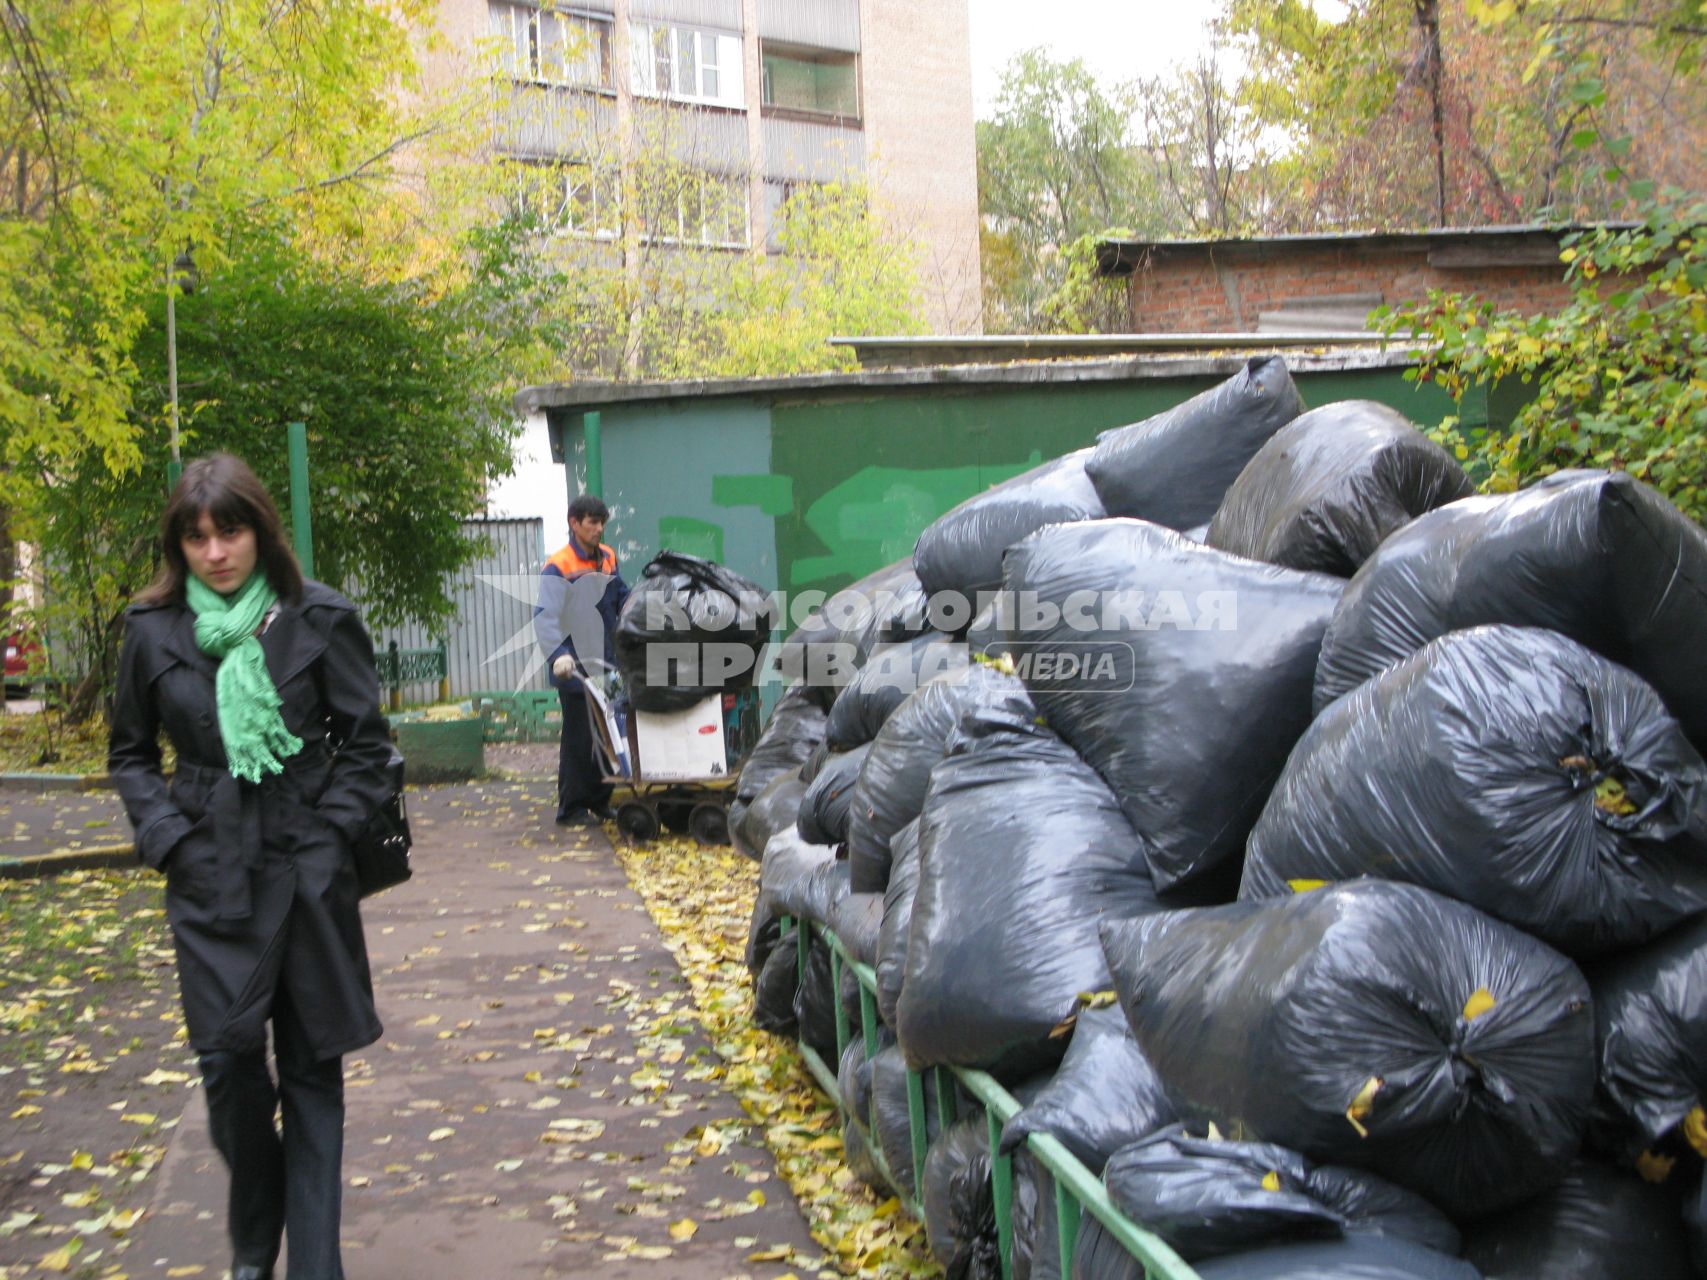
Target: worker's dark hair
{"x": 587, "y": 505}
{"x": 222, "y": 485}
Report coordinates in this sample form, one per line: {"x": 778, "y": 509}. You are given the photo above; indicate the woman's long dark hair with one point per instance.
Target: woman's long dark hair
{"x": 222, "y": 485}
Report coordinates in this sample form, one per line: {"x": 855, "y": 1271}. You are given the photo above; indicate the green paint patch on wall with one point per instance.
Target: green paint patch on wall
{"x": 773, "y": 495}
{"x": 879, "y": 512}
{"x": 691, "y": 537}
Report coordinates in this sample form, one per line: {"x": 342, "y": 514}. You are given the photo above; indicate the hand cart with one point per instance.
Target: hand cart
{"x": 681, "y": 767}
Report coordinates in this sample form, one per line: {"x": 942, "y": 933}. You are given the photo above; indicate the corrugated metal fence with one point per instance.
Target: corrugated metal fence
{"x": 489, "y": 642}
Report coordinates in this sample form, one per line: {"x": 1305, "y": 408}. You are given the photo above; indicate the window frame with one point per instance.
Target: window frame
{"x": 602, "y": 184}
{"x": 807, "y": 55}
{"x": 691, "y": 196}
{"x": 525, "y": 50}
{"x": 660, "y": 46}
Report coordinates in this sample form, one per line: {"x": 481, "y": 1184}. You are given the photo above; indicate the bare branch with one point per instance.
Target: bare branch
{"x": 355, "y": 172}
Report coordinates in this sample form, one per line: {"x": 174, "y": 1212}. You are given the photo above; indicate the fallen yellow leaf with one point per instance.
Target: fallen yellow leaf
{"x": 683, "y": 1229}
{"x": 60, "y": 1258}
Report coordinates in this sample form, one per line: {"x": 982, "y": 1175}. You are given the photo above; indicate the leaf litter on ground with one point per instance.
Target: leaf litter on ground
{"x": 701, "y": 899}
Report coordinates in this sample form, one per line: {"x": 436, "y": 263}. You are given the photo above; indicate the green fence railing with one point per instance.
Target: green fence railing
{"x": 1076, "y": 1190}
{"x": 527, "y": 715}
{"x": 398, "y": 667}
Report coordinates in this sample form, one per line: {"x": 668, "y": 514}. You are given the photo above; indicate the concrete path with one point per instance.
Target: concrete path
{"x": 543, "y": 1102}
{"x": 37, "y": 822}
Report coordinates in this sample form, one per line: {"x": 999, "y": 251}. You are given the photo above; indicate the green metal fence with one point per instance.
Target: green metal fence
{"x": 526, "y": 715}
{"x": 398, "y": 667}
{"x": 1076, "y": 1190}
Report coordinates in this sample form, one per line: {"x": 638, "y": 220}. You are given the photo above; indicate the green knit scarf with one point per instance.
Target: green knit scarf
{"x": 255, "y": 737}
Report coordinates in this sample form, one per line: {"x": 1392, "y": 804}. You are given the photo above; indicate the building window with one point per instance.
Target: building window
{"x": 552, "y": 46}
{"x": 571, "y": 198}
{"x": 815, "y": 81}
{"x": 688, "y": 64}
{"x": 778, "y": 193}
{"x": 706, "y": 210}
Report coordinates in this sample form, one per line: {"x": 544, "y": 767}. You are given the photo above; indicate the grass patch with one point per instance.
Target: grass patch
{"x": 70, "y": 945}
{"x": 41, "y": 742}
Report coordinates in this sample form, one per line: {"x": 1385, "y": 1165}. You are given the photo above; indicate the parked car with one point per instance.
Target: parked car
{"x": 22, "y": 652}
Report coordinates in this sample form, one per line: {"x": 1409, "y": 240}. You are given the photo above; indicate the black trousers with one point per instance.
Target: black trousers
{"x": 579, "y": 787}
{"x": 290, "y": 1184}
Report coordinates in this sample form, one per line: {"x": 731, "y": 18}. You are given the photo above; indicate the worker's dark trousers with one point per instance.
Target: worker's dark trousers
{"x": 291, "y": 1185}
{"x": 579, "y": 784}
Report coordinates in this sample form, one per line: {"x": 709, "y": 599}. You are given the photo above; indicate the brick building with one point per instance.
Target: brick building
{"x": 1327, "y": 283}
{"x": 760, "y": 96}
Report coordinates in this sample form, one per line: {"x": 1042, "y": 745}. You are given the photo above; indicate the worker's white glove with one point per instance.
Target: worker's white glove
{"x": 564, "y": 667}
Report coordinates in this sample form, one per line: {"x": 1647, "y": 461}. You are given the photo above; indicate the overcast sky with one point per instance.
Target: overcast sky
{"x": 1118, "y": 39}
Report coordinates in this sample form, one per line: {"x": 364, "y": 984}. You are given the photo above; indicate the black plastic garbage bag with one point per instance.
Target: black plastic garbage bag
{"x": 1650, "y": 1013}
{"x": 849, "y": 996}
{"x": 1596, "y": 555}
{"x": 825, "y": 807}
{"x": 825, "y": 650}
{"x": 774, "y": 987}
{"x": 1208, "y": 1196}
{"x": 1036, "y": 1238}
{"x": 1104, "y": 1096}
{"x": 815, "y": 1004}
{"x": 1358, "y": 1257}
{"x": 1507, "y": 767}
{"x": 792, "y": 875}
{"x": 1176, "y": 467}
{"x": 856, "y": 920}
{"x": 898, "y": 897}
{"x": 1600, "y": 1223}
{"x": 795, "y": 728}
{"x": 775, "y": 809}
{"x": 960, "y": 1211}
{"x": 986, "y": 637}
{"x": 890, "y": 792}
{"x": 853, "y": 1082}
{"x": 857, "y": 1156}
{"x": 1371, "y": 1024}
{"x": 961, "y": 551}
{"x": 889, "y": 676}
{"x": 817, "y": 895}
{"x": 894, "y": 612}
{"x": 1330, "y": 485}
{"x": 1695, "y": 1223}
{"x": 814, "y": 764}
{"x": 890, "y": 1116}
{"x": 1099, "y": 1256}
{"x": 1180, "y": 673}
{"x": 690, "y": 629}
{"x": 1022, "y": 850}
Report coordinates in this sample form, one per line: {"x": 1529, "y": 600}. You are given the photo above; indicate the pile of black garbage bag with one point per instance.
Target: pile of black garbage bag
{"x": 1317, "y": 850}
{"x": 689, "y": 629}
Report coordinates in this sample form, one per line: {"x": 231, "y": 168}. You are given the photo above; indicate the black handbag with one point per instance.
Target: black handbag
{"x": 381, "y": 849}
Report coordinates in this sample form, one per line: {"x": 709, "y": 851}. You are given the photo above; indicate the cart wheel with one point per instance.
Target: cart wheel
{"x": 637, "y": 822}
{"x": 709, "y": 823}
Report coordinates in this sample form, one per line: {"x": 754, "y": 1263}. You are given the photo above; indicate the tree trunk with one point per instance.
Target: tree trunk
{"x": 1428, "y": 21}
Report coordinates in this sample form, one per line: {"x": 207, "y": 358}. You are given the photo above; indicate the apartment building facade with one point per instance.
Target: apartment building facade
{"x": 755, "y": 98}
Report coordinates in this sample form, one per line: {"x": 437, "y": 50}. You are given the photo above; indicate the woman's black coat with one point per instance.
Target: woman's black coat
{"x": 260, "y": 888}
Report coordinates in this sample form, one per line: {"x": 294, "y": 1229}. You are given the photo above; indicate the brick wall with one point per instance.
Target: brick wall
{"x": 921, "y": 149}
{"x": 1214, "y": 291}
